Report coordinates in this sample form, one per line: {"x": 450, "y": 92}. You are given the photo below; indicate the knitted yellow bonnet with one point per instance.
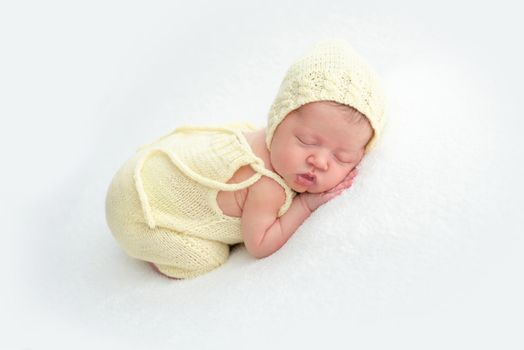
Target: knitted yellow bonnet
{"x": 330, "y": 71}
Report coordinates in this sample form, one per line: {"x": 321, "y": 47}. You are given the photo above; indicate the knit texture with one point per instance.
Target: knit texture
{"x": 330, "y": 71}
{"x": 161, "y": 205}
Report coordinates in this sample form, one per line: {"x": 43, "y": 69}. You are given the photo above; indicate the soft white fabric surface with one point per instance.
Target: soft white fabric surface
{"x": 424, "y": 251}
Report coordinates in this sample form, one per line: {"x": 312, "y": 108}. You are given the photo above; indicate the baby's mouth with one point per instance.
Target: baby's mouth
{"x": 306, "y": 179}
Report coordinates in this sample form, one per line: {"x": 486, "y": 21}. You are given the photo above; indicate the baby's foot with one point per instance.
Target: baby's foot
{"x": 163, "y": 274}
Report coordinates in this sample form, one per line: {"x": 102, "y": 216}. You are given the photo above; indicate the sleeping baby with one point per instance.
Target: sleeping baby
{"x": 182, "y": 201}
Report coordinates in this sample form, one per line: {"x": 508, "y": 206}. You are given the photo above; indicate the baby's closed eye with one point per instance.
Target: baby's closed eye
{"x": 306, "y": 141}
{"x": 343, "y": 158}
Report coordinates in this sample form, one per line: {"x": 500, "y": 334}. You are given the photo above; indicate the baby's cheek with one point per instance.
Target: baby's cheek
{"x": 341, "y": 176}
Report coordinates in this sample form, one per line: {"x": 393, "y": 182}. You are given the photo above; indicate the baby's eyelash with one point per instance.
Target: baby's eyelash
{"x": 334, "y": 155}
{"x": 305, "y": 143}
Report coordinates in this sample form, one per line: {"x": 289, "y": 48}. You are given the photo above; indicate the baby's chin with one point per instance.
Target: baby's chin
{"x": 295, "y": 188}
{"x": 314, "y": 191}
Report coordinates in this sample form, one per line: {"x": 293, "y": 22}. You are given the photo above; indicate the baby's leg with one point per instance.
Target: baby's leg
{"x": 178, "y": 255}
{"x": 175, "y": 254}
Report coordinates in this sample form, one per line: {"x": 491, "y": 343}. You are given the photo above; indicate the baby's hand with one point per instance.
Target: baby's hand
{"x": 315, "y": 200}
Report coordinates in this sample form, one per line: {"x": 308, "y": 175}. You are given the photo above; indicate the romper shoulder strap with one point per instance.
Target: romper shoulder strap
{"x": 257, "y": 165}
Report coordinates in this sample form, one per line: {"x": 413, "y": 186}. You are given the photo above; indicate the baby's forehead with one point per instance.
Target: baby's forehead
{"x": 330, "y": 125}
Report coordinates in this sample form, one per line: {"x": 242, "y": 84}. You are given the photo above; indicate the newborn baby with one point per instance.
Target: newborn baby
{"x": 180, "y": 202}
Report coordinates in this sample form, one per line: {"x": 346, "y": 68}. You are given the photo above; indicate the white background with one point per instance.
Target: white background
{"x": 424, "y": 251}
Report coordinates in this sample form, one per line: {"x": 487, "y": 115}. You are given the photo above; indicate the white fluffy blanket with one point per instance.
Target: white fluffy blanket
{"x": 424, "y": 251}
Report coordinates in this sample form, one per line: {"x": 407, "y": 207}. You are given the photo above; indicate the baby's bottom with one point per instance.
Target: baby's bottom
{"x": 175, "y": 254}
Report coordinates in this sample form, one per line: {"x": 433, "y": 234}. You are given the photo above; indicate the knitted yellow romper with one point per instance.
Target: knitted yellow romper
{"x": 161, "y": 205}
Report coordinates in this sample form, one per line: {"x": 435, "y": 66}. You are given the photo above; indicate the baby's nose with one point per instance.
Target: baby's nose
{"x": 318, "y": 161}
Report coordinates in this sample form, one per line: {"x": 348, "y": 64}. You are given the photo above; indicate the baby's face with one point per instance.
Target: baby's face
{"x": 316, "y": 146}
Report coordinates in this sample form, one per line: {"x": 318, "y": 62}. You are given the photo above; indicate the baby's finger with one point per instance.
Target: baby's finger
{"x": 351, "y": 175}
{"x": 348, "y": 179}
{"x": 348, "y": 184}
{"x": 331, "y": 195}
{"x": 342, "y": 186}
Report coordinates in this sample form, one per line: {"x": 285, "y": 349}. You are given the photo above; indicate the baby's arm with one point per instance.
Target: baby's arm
{"x": 260, "y": 221}
{"x": 263, "y": 232}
